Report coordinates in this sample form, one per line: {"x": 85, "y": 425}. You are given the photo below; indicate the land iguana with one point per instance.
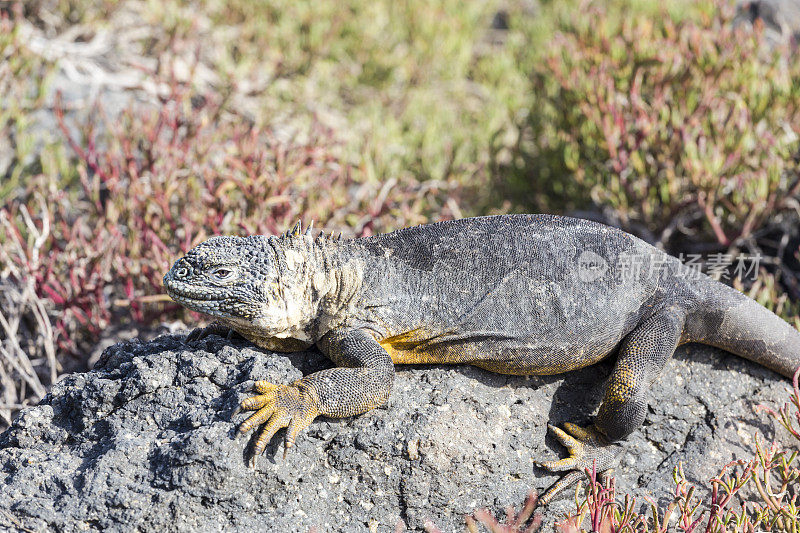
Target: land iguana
{"x": 514, "y": 294}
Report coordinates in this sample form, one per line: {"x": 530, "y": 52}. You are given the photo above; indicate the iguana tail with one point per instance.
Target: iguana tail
{"x": 730, "y": 320}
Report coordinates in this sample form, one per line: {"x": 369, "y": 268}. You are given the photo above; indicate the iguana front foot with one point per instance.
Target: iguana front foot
{"x": 292, "y": 406}
{"x": 215, "y": 328}
{"x": 588, "y": 448}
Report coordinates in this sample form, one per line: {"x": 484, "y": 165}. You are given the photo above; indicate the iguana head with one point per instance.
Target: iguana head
{"x": 239, "y": 281}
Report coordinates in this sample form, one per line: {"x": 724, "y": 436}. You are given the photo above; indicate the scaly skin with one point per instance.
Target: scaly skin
{"x": 516, "y": 294}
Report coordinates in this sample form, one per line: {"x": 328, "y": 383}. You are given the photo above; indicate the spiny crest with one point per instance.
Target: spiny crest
{"x": 294, "y": 232}
{"x": 297, "y": 231}
{"x": 332, "y": 237}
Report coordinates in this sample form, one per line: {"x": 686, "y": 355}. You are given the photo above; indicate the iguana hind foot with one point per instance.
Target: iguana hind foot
{"x": 588, "y": 449}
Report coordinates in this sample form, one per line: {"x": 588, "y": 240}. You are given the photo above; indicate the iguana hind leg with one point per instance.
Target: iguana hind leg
{"x": 642, "y": 355}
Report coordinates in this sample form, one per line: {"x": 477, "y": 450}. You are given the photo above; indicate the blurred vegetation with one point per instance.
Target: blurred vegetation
{"x": 419, "y": 88}
{"x": 665, "y": 122}
{"x": 130, "y": 130}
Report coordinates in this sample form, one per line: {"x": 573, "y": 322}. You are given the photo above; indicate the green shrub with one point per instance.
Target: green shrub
{"x": 412, "y": 88}
{"x": 24, "y": 78}
{"x": 689, "y": 123}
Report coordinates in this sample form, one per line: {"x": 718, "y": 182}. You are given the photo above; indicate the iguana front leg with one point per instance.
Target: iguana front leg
{"x": 363, "y": 384}
{"x": 215, "y": 328}
{"x": 642, "y": 355}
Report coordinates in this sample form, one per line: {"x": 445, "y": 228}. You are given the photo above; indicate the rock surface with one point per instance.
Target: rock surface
{"x": 145, "y": 441}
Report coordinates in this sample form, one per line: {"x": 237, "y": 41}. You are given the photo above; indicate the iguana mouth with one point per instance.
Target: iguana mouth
{"x": 187, "y": 293}
{"x": 203, "y": 303}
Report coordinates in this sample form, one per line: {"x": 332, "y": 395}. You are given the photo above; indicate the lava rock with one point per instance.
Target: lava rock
{"x": 147, "y": 441}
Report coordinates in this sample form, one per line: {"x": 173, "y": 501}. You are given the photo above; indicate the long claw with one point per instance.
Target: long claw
{"x": 587, "y": 447}
{"x": 563, "y": 437}
{"x": 291, "y": 435}
{"x": 295, "y": 427}
{"x": 561, "y": 465}
{"x": 273, "y": 426}
{"x": 565, "y": 481}
{"x": 215, "y": 328}
{"x": 261, "y": 416}
{"x": 195, "y": 334}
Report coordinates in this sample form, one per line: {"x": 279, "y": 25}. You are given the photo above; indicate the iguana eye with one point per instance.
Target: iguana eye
{"x": 223, "y": 274}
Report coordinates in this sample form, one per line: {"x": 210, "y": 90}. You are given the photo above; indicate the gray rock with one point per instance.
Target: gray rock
{"x": 145, "y": 441}
{"x": 781, "y": 18}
